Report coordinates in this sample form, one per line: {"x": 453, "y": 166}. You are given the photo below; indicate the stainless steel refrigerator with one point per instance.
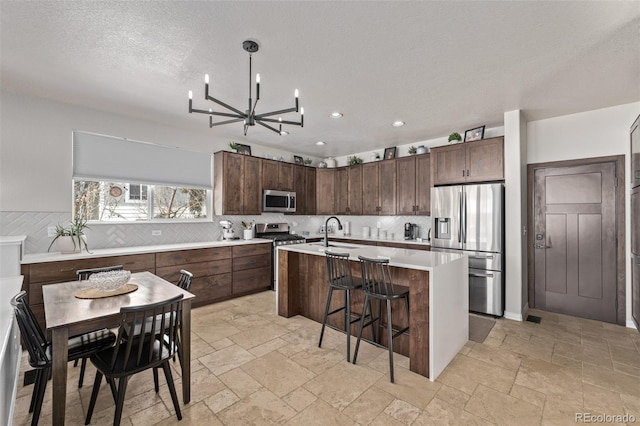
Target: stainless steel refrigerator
{"x": 469, "y": 219}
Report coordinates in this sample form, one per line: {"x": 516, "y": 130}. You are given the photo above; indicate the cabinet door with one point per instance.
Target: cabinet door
{"x": 231, "y": 178}
{"x": 387, "y": 187}
{"x": 423, "y": 185}
{"x": 270, "y": 174}
{"x": 635, "y": 153}
{"x": 285, "y": 177}
{"x": 325, "y": 191}
{"x": 355, "y": 190}
{"x": 449, "y": 164}
{"x": 252, "y": 186}
{"x": 370, "y": 189}
{"x": 310, "y": 190}
{"x": 406, "y": 175}
{"x": 300, "y": 188}
{"x": 485, "y": 160}
{"x": 341, "y": 190}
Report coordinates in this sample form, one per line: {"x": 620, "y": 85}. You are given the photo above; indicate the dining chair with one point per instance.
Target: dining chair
{"x": 136, "y": 352}
{"x": 84, "y": 274}
{"x": 39, "y": 349}
{"x": 377, "y": 284}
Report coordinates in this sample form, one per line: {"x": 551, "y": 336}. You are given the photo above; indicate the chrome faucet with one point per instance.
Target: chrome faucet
{"x": 326, "y": 229}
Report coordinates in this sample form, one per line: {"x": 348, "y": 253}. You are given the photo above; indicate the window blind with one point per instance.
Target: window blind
{"x": 99, "y": 157}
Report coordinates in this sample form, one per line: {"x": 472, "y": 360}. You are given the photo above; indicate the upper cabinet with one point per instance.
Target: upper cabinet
{"x": 325, "y": 191}
{"x": 379, "y": 188}
{"x": 277, "y": 175}
{"x": 478, "y": 161}
{"x": 348, "y": 190}
{"x": 237, "y": 184}
{"x": 414, "y": 185}
{"x": 635, "y": 153}
{"x": 304, "y": 185}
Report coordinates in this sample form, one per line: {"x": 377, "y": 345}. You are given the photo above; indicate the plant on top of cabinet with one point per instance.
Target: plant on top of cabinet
{"x": 354, "y": 160}
{"x": 308, "y": 161}
{"x": 234, "y": 146}
{"x": 455, "y": 137}
{"x": 412, "y": 150}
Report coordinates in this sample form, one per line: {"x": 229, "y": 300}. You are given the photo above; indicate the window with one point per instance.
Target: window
{"x": 125, "y": 202}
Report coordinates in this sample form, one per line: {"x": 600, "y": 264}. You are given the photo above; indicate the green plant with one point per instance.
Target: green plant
{"x": 354, "y": 160}
{"x": 75, "y": 230}
{"x": 412, "y": 150}
{"x": 233, "y": 145}
{"x": 307, "y": 161}
{"x": 455, "y": 137}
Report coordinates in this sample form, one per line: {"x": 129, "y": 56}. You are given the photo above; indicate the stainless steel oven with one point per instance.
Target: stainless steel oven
{"x": 278, "y": 201}
{"x": 279, "y": 234}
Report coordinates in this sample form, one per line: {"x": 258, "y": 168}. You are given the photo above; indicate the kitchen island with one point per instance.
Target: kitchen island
{"x": 438, "y": 297}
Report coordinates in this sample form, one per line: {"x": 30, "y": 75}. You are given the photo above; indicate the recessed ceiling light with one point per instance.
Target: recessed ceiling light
{"x": 320, "y": 143}
{"x": 336, "y": 115}
{"x": 283, "y": 133}
{"x": 398, "y": 123}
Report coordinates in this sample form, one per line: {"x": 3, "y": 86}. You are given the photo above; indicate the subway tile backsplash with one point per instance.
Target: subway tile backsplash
{"x": 111, "y": 235}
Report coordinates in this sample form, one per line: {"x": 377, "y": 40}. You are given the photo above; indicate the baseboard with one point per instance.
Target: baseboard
{"x": 513, "y": 316}
{"x": 631, "y": 324}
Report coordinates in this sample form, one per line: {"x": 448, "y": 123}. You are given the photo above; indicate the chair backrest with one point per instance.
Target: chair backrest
{"x": 84, "y": 274}
{"x": 185, "y": 279}
{"x": 147, "y": 333}
{"x": 32, "y": 336}
{"x": 376, "y": 276}
{"x": 338, "y": 268}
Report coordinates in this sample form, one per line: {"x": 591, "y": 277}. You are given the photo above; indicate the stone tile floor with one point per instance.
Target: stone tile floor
{"x": 251, "y": 367}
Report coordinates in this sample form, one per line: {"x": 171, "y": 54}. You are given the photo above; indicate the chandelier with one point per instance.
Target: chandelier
{"x": 249, "y": 116}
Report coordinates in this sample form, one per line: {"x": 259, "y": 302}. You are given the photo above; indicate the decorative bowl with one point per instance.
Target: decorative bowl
{"x": 109, "y": 281}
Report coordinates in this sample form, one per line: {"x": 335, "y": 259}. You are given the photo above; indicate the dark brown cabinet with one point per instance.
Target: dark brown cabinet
{"x": 414, "y": 185}
{"x": 379, "y": 188}
{"x": 237, "y": 184}
{"x": 348, "y": 190}
{"x": 277, "y": 175}
{"x": 478, "y": 161}
{"x": 635, "y": 153}
{"x": 325, "y": 191}
{"x": 304, "y": 185}
{"x": 251, "y": 268}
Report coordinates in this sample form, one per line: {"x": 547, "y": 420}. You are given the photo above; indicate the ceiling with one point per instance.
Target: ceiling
{"x": 438, "y": 66}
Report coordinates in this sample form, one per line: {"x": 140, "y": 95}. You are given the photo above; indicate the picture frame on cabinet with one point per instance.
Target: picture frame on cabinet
{"x": 474, "y": 134}
{"x": 244, "y": 149}
{"x": 298, "y": 160}
{"x": 390, "y": 153}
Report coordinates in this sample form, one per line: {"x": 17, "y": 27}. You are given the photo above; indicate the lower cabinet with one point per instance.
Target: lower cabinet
{"x": 251, "y": 268}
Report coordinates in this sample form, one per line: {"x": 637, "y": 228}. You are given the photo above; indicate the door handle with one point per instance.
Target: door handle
{"x": 489, "y": 256}
{"x": 541, "y": 246}
{"x": 481, "y": 275}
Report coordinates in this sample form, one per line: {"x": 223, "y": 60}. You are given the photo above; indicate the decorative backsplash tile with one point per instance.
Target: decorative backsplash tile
{"x": 110, "y": 235}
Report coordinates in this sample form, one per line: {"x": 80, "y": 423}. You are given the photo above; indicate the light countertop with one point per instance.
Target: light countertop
{"x": 123, "y": 251}
{"x": 401, "y": 258}
{"x": 10, "y": 286}
{"x": 359, "y": 237}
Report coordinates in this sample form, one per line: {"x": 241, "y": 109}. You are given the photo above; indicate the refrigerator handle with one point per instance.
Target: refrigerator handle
{"x": 464, "y": 217}
{"x": 460, "y": 217}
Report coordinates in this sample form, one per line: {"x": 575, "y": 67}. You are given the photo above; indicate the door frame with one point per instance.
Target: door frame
{"x": 621, "y": 283}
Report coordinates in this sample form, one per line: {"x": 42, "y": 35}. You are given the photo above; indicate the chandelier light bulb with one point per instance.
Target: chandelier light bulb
{"x": 206, "y": 79}
{"x": 190, "y": 94}
{"x": 258, "y": 78}
{"x": 295, "y": 93}
{"x": 210, "y": 110}
{"x": 280, "y": 119}
{"x": 302, "y": 111}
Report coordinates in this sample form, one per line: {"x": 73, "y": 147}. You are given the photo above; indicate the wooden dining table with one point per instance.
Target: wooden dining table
{"x": 67, "y": 315}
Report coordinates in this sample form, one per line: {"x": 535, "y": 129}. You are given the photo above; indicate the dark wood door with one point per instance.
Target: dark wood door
{"x": 299, "y": 186}
{"x": 485, "y": 160}
{"x": 251, "y": 185}
{"x": 449, "y": 164}
{"x": 270, "y": 174}
{"x": 423, "y": 184}
{"x": 310, "y": 190}
{"x": 231, "y": 196}
{"x": 355, "y": 190}
{"x": 575, "y": 240}
{"x": 285, "y": 177}
{"x": 635, "y": 153}
{"x": 325, "y": 191}
{"x": 387, "y": 187}
{"x": 341, "y": 179}
{"x": 370, "y": 189}
{"x": 406, "y": 195}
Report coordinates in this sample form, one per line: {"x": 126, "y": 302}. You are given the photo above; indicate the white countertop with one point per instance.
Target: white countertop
{"x": 10, "y": 286}
{"x": 372, "y": 239}
{"x": 402, "y": 258}
{"x": 123, "y": 251}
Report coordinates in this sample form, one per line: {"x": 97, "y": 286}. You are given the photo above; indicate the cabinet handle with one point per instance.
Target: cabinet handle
{"x": 462, "y": 172}
{"x": 467, "y": 172}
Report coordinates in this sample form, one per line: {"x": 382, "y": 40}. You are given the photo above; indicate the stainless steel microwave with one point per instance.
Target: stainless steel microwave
{"x": 278, "y": 201}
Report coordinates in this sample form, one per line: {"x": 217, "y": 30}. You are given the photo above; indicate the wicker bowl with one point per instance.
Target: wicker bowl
{"x": 109, "y": 281}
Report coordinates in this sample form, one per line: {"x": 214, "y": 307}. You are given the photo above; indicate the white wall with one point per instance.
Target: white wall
{"x": 595, "y": 133}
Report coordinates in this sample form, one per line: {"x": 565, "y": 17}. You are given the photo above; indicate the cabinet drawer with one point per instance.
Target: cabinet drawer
{"x": 251, "y": 262}
{"x": 182, "y": 257}
{"x": 252, "y": 279}
{"x": 251, "y": 250}
{"x": 208, "y": 289}
{"x": 66, "y": 270}
{"x": 202, "y": 269}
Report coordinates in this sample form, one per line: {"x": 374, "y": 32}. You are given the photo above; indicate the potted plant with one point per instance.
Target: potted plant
{"x": 71, "y": 238}
{"x": 354, "y": 160}
{"x": 308, "y": 161}
{"x": 455, "y": 137}
{"x": 234, "y": 146}
{"x": 248, "y": 230}
{"x": 412, "y": 150}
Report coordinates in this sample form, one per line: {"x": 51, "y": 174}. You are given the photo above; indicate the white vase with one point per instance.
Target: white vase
{"x": 421, "y": 150}
{"x": 248, "y": 234}
{"x": 331, "y": 162}
{"x": 66, "y": 244}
